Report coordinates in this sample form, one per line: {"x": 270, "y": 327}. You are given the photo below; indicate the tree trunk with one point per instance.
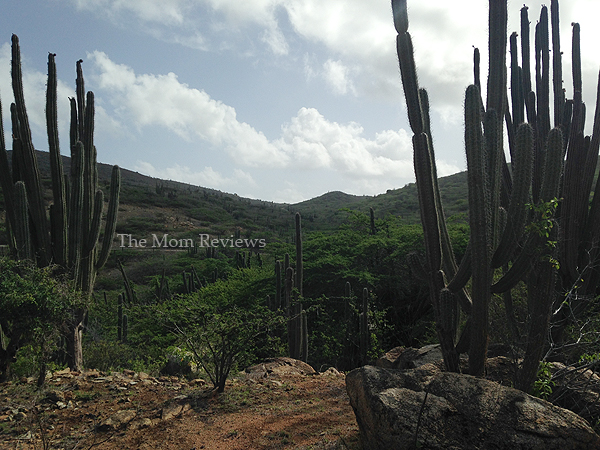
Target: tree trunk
{"x": 75, "y": 340}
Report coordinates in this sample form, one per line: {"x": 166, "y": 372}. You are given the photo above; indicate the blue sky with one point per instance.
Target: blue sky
{"x": 280, "y": 100}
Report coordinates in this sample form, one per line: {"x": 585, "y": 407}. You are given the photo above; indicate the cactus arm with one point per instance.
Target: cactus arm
{"x": 592, "y": 228}
{"x": 111, "y": 217}
{"x": 58, "y": 217}
{"x": 516, "y": 84}
{"x": 496, "y": 85}
{"x": 427, "y": 202}
{"x": 94, "y": 233}
{"x": 559, "y": 94}
{"x": 75, "y": 232}
{"x": 525, "y": 52}
{"x": 520, "y": 196}
{"x": 476, "y": 68}
{"x": 30, "y": 169}
{"x": 6, "y": 180}
{"x": 479, "y": 225}
{"x": 449, "y": 264}
{"x": 408, "y": 73}
{"x": 299, "y": 271}
{"x": 22, "y": 234}
{"x": 80, "y": 92}
{"x": 400, "y": 12}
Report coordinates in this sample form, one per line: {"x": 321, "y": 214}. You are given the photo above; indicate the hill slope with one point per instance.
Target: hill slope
{"x": 154, "y": 201}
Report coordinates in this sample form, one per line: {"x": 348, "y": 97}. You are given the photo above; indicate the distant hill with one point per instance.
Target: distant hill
{"x": 214, "y": 211}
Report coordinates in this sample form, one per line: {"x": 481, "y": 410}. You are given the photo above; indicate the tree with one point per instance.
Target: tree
{"x": 226, "y": 323}
{"x": 35, "y": 306}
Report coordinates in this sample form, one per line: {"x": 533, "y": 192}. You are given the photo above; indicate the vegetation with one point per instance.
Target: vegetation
{"x": 352, "y": 279}
{"x": 35, "y": 309}
{"x": 69, "y": 236}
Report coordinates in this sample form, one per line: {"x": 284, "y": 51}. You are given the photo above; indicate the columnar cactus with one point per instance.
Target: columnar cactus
{"x": 498, "y": 197}
{"x": 69, "y": 236}
{"x": 363, "y": 326}
{"x": 278, "y": 303}
{"x": 299, "y": 271}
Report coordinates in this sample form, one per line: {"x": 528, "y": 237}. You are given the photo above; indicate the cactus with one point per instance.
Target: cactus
{"x": 372, "y": 221}
{"x": 500, "y": 237}
{"x": 289, "y": 309}
{"x": 304, "y": 335}
{"x": 125, "y": 328}
{"x": 120, "y": 318}
{"x": 278, "y": 303}
{"x": 67, "y": 239}
{"x": 363, "y": 322}
{"x": 299, "y": 271}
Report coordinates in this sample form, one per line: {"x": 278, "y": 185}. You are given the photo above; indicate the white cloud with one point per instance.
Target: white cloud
{"x": 151, "y": 100}
{"x": 207, "y": 177}
{"x": 308, "y": 141}
{"x": 338, "y": 77}
{"x": 314, "y": 142}
{"x": 162, "y": 11}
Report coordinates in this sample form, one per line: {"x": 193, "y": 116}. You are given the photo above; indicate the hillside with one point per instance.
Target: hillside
{"x": 151, "y": 203}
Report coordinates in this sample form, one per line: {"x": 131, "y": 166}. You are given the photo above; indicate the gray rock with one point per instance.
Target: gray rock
{"x": 409, "y": 358}
{"x": 440, "y": 410}
{"x": 118, "y": 420}
{"x": 279, "y": 366}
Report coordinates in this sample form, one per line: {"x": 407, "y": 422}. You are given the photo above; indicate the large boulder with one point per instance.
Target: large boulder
{"x": 428, "y": 408}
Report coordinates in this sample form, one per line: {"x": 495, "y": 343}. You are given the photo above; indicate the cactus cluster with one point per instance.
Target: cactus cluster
{"x": 67, "y": 235}
{"x": 291, "y": 302}
{"x": 505, "y": 243}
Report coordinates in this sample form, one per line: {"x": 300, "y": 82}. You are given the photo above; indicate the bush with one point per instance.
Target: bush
{"x": 35, "y": 305}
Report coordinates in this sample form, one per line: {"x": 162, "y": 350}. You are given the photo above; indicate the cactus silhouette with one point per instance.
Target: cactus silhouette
{"x": 503, "y": 234}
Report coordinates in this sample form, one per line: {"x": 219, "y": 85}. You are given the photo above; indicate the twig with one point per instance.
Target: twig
{"x": 419, "y": 418}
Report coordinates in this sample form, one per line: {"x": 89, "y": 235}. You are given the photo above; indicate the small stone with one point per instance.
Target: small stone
{"x": 170, "y": 411}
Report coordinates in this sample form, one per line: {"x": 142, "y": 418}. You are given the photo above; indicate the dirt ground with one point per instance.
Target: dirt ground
{"x": 127, "y": 410}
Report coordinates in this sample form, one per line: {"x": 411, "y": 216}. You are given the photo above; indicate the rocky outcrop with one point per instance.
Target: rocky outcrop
{"x": 279, "y": 366}
{"x": 439, "y": 410}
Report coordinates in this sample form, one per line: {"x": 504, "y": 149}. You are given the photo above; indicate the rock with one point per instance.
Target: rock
{"x": 576, "y": 389}
{"x": 174, "y": 409}
{"x": 118, "y": 420}
{"x": 54, "y": 397}
{"x": 142, "y": 423}
{"x": 332, "y": 371}
{"x": 409, "y": 358}
{"x": 279, "y": 366}
{"x": 456, "y": 411}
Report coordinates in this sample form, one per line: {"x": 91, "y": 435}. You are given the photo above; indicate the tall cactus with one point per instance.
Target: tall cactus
{"x": 299, "y": 270}
{"x": 69, "y": 236}
{"x": 498, "y": 197}
{"x": 363, "y": 326}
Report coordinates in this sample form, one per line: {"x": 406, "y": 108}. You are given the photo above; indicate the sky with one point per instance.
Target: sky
{"x": 279, "y": 100}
